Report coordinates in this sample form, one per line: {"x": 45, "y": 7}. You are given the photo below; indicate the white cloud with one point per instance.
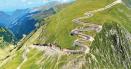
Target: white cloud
{"x": 24, "y": 0}
{"x": 29, "y": 3}
{"x": 45, "y": 0}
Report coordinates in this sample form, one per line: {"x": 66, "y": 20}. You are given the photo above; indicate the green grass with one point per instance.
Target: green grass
{"x": 7, "y": 36}
{"x": 14, "y": 62}
{"x": 109, "y": 51}
{"x": 5, "y": 51}
{"x": 106, "y": 52}
{"x": 33, "y": 58}
{"x": 60, "y": 25}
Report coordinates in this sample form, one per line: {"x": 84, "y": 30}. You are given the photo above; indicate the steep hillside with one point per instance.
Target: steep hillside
{"x": 52, "y": 45}
{"x": 112, "y": 47}
{"x": 60, "y": 25}
{"x": 6, "y": 36}
{"x": 6, "y": 42}
{"x": 22, "y": 22}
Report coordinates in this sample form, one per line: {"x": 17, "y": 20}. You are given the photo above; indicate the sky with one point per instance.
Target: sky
{"x": 10, "y": 5}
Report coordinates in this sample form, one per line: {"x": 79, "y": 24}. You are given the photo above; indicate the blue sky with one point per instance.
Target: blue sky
{"x": 10, "y": 5}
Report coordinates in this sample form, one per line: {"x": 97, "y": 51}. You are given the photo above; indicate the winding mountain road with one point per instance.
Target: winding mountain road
{"x": 87, "y": 27}
{"x": 83, "y": 38}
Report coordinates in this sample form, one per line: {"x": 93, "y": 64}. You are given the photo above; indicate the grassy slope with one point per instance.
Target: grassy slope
{"x": 5, "y": 51}
{"x": 6, "y": 38}
{"x": 60, "y": 26}
{"x": 112, "y": 50}
{"x": 7, "y": 35}
{"x": 13, "y": 63}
